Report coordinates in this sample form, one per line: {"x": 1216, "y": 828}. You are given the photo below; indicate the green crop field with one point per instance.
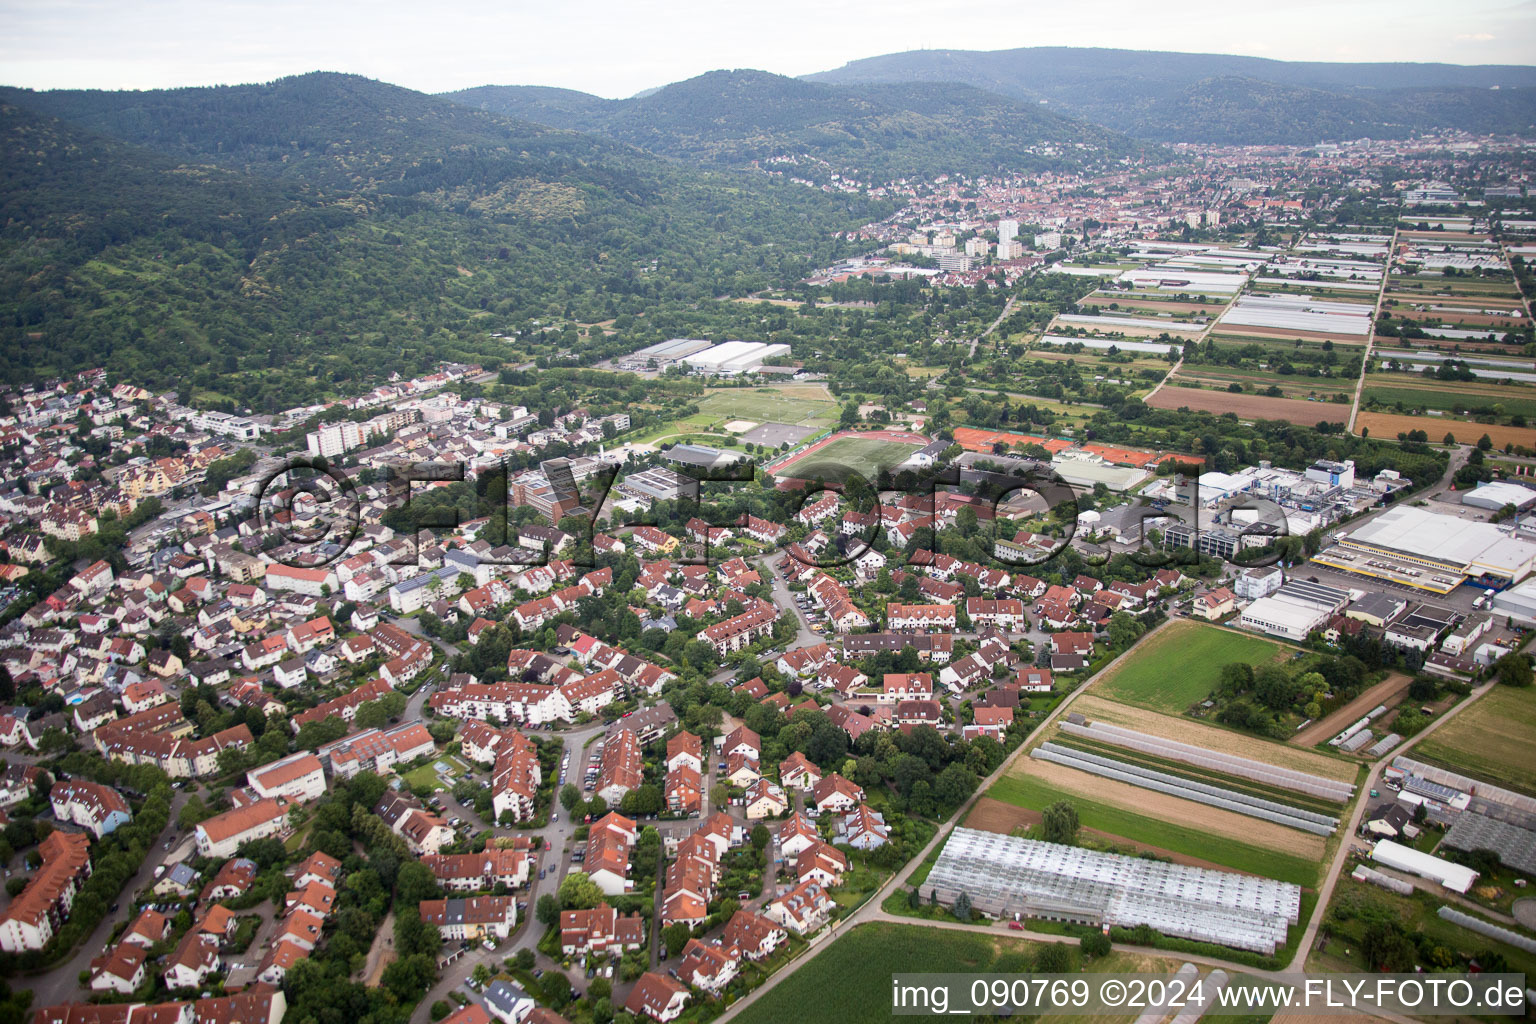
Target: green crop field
{"x": 848, "y": 455}
{"x": 1490, "y": 739}
{"x": 1034, "y": 794}
{"x": 850, "y": 982}
{"x": 1180, "y": 665}
{"x": 1448, "y": 395}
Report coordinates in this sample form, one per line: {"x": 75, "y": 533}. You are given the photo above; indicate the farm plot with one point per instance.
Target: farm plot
{"x": 1119, "y": 302}
{"x": 1382, "y": 424}
{"x": 1180, "y": 665}
{"x": 1248, "y": 407}
{"x": 1491, "y": 739}
{"x": 1223, "y": 741}
{"x": 850, "y": 981}
{"x": 1220, "y": 378}
{"x": 1222, "y": 837}
{"x": 1180, "y": 784}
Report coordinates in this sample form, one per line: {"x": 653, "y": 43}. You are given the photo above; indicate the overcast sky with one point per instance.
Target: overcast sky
{"x": 618, "y": 48}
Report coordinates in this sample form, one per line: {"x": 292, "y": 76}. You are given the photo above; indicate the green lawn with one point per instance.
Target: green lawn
{"x": 427, "y": 775}
{"x": 763, "y": 405}
{"x": 849, "y": 455}
{"x": 1032, "y": 793}
{"x": 1181, "y": 665}
{"x": 1491, "y": 739}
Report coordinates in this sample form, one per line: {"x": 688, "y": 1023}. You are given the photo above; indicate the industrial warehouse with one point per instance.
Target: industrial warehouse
{"x": 1429, "y": 551}
{"x": 724, "y": 360}
{"x": 1006, "y": 876}
{"x": 734, "y": 357}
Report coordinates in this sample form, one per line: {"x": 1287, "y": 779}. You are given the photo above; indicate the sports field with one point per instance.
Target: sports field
{"x": 1180, "y": 665}
{"x": 795, "y": 404}
{"x": 843, "y": 455}
{"x": 1491, "y": 739}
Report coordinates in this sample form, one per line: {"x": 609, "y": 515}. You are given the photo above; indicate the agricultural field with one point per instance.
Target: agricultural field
{"x": 1140, "y": 305}
{"x": 850, "y": 981}
{"x": 1246, "y": 406}
{"x": 1179, "y": 665}
{"x": 1382, "y": 424}
{"x": 1412, "y": 393}
{"x": 1215, "y": 738}
{"x": 1167, "y": 824}
{"x": 1491, "y": 739}
{"x": 1290, "y": 385}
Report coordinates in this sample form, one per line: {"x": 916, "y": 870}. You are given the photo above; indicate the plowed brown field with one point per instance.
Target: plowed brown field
{"x": 1385, "y": 424}
{"x": 1252, "y": 407}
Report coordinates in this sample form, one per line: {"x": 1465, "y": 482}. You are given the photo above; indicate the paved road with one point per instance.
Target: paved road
{"x": 556, "y": 863}
{"x": 62, "y": 984}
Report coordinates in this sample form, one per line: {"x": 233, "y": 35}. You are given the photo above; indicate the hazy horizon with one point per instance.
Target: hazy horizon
{"x": 617, "y": 50}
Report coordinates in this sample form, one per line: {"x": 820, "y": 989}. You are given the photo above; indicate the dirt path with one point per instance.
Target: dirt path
{"x": 1331, "y": 725}
{"x": 382, "y": 953}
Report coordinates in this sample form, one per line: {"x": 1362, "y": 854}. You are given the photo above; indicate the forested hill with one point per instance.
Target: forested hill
{"x": 1192, "y": 97}
{"x": 881, "y": 132}
{"x": 268, "y": 243}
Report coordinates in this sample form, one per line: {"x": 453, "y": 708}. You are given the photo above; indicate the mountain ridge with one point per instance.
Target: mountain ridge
{"x": 886, "y": 130}
{"x": 1167, "y": 96}
{"x": 260, "y": 245}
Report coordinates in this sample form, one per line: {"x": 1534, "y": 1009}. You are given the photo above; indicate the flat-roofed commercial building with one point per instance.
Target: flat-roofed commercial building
{"x": 1429, "y": 551}
{"x": 662, "y": 354}
{"x": 734, "y": 357}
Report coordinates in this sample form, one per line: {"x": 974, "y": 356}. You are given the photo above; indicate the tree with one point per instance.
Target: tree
{"x": 1514, "y": 669}
{"x": 759, "y": 837}
{"x": 1485, "y": 443}
{"x": 1095, "y": 945}
{"x": 1058, "y": 823}
{"x": 547, "y": 910}
{"x": 962, "y": 907}
{"x": 1124, "y": 630}
{"x": 1053, "y": 959}
{"x": 1387, "y": 947}
{"x": 675, "y": 936}
{"x": 415, "y": 882}
{"x": 579, "y": 892}
{"x": 570, "y": 796}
